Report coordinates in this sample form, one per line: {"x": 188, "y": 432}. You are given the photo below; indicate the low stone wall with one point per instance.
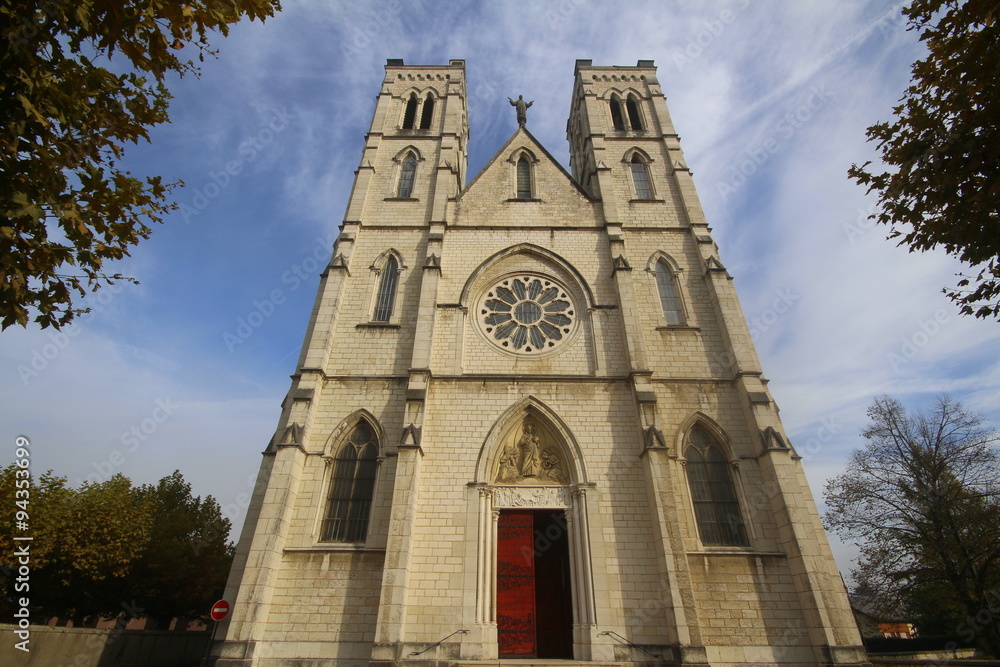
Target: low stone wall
{"x": 89, "y": 647}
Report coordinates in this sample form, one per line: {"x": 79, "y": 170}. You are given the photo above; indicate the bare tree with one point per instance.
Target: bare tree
{"x": 921, "y": 501}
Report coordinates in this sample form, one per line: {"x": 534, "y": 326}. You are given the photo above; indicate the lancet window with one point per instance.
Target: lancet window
{"x": 716, "y": 507}
{"x": 386, "y": 298}
{"x": 351, "y": 490}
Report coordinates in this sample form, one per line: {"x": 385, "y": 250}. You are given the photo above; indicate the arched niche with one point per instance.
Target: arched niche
{"x": 531, "y": 461}
{"x": 529, "y": 445}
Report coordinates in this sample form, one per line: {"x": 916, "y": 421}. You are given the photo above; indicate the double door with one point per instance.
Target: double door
{"x": 534, "y": 599}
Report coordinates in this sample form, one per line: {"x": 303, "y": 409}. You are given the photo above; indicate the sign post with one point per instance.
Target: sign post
{"x": 219, "y": 611}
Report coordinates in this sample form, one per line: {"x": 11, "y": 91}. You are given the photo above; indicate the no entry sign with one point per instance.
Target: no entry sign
{"x": 219, "y": 610}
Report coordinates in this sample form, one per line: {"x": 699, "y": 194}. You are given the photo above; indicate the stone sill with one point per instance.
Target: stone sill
{"x": 737, "y": 551}
{"x": 677, "y": 327}
{"x": 647, "y": 201}
{"x": 349, "y": 547}
{"x": 377, "y": 325}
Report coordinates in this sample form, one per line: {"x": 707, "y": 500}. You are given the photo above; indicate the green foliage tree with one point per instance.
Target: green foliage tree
{"x": 85, "y": 541}
{"x": 65, "y": 206}
{"x": 921, "y": 500}
{"x": 943, "y": 148}
{"x": 184, "y": 566}
{"x": 101, "y": 529}
{"x": 111, "y": 547}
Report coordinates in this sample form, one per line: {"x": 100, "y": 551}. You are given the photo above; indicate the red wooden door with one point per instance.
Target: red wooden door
{"x": 516, "y": 584}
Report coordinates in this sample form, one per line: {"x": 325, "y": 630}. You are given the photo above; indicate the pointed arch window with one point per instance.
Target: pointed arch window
{"x": 666, "y": 286}
{"x": 617, "y": 119}
{"x": 386, "y": 298}
{"x": 410, "y": 115}
{"x": 427, "y": 113}
{"x": 640, "y": 178}
{"x": 632, "y": 106}
{"x": 523, "y": 178}
{"x": 716, "y": 507}
{"x": 406, "y": 173}
{"x": 349, "y": 503}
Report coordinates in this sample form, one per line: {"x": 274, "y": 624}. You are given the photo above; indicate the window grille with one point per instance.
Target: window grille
{"x": 669, "y": 300}
{"x": 352, "y": 487}
{"x": 387, "y": 291}
{"x": 640, "y": 178}
{"x": 406, "y": 176}
{"x": 523, "y": 178}
{"x": 716, "y": 508}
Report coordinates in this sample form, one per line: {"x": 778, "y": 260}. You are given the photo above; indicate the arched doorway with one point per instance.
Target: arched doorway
{"x": 535, "y": 583}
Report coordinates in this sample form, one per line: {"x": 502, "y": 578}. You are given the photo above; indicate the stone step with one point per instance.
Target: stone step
{"x": 538, "y": 662}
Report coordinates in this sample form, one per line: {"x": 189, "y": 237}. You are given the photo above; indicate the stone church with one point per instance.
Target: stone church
{"x": 528, "y": 422}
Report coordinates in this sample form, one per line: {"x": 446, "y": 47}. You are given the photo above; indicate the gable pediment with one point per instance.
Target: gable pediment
{"x": 492, "y": 198}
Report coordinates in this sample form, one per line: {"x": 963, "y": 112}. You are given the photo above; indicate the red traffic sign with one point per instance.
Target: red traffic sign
{"x": 220, "y": 610}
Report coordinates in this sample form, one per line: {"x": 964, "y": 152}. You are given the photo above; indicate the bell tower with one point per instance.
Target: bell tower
{"x": 368, "y": 336}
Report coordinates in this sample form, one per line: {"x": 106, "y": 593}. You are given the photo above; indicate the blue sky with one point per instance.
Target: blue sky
{"x": 188, "y": 369}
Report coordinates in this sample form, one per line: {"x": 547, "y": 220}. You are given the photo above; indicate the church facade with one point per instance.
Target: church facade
{"x": 528, "y": 421}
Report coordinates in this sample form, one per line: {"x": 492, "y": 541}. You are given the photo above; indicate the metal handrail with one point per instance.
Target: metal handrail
{"x": 612, "y": 633}
{"x": 439, "y": 642}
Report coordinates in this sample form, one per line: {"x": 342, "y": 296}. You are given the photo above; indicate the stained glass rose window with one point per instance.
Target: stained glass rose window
{"x": 527, "y": 314}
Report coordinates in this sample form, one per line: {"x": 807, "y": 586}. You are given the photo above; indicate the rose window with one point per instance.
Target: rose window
{"x": 527, "y": 314}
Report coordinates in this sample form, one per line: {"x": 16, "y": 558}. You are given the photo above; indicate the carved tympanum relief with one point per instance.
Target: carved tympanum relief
{"x": 526, "y": 496}
{"x": 529, "y": 457}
